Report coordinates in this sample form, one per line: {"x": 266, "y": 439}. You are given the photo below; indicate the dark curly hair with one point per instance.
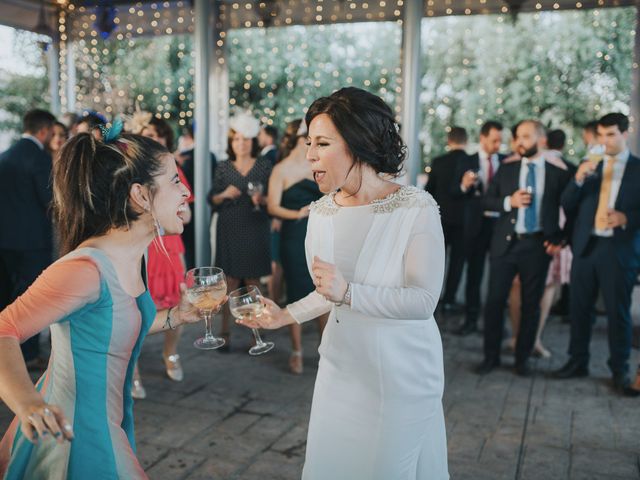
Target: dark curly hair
{"x": 367, "y": 125}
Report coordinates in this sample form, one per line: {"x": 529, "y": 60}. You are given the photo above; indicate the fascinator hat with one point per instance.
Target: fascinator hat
{"x": 302, "y": 129}
{"x": 245, "y": 124}
{"x": 137, "y": 122}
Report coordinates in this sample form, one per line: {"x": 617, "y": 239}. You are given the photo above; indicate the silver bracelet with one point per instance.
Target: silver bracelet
{"x": 347, "y": 297}
{"x": 168, "y": 321}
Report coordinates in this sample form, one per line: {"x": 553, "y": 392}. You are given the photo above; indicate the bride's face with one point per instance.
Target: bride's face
{"x": 330, "y": 158}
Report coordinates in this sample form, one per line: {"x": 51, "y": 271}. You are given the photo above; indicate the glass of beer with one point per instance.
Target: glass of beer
{"x": 206, "y": 289}
{"x": 246, "y": 303}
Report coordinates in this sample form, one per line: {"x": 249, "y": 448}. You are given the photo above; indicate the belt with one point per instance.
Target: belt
{"x": 524, "y": 236}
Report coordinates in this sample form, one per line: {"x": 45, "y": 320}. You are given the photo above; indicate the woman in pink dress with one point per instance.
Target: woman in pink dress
{"x": 166, "y": 265}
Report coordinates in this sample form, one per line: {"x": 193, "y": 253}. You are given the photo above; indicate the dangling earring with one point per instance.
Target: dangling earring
{"x": 157, "y": 226}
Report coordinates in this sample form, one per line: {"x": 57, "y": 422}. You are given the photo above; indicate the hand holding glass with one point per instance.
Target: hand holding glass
{"x": 206, "y": 289}
{"x": 253, "y": 189}
{"x": 596, "y": 155}
{"x": 531, "y": 192}
{"x": 246, "y": 303}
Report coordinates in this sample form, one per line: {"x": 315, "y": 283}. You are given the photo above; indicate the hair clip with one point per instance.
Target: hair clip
{"x": 109, "y": 134}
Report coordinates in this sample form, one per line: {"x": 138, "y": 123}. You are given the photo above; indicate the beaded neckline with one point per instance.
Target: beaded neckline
{"x": 405, "y": 196}
{"x": 377, "y": 201}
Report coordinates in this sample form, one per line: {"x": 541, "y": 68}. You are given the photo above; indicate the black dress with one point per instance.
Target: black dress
{"x": 243, "y": 242}
{"x": 292, "y": 235}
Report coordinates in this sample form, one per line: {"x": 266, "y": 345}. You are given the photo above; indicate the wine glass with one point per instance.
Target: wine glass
{"x": 246, "y": 302}
{"x": 206, "y": 289}
{"x": 596, "y": 154}
{"x": 531, "y": 191}
{"x": 255, "y": 188}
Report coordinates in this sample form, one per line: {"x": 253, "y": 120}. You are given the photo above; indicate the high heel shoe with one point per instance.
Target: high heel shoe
{"x": 295, "y": 362}
{"x": 137, "y": 389}
{"x": 174, "y": 368}
{"x": 540, "y": 352}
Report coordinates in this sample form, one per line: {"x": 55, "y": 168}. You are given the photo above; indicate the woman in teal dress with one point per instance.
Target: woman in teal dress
{"x": 111, "y": 198}
{"x": 291, "y": 191}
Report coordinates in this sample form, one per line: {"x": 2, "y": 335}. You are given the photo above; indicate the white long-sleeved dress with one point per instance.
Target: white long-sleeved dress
{"x": 377, "y": 404}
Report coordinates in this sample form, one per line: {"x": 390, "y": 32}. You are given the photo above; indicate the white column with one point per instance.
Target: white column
{"x": 411, "y": 115}
{"x": 634, "y": 134}
{"x": 71, "y": 77}
{"x": 202, "y": 180}
{"x": 219, "y": 91}
{"x": 53, "y": 61}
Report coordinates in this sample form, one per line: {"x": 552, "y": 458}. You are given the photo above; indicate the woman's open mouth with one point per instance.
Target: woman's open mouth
{"x": 318, "y": 176}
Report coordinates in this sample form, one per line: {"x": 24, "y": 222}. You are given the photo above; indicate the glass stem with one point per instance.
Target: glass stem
{"x": 256, "y": 334}
{"x": 208, "y": 324}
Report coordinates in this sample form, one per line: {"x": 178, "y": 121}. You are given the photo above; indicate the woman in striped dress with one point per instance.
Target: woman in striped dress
{"x": 110, "y": 199}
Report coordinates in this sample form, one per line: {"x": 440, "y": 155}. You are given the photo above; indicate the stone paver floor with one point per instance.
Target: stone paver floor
{"x": 237, "y": 417}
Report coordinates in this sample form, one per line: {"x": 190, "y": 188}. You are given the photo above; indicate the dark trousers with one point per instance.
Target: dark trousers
{"x": 476, "y": 250}
{"x": 526, "y": 257}
{"x": 599, "y": 268}
{"x": 454, "y": 243}
{"x": 18, "y": 270}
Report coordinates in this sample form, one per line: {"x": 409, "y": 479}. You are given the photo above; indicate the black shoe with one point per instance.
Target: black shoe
{"x": 466, "y": 328}
{"x": 487, "y": 366}
{"x": 630, "y": 392}
{"x": 572, "y": 369}
{"x": 523, "y": 369}
{"x": 621, "y": 382}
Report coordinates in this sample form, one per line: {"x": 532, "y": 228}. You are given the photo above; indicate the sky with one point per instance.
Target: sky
{"x": 10, "y": 60}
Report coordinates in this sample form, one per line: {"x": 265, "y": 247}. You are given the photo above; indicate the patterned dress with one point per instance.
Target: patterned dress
{"x": 243, "y": 237}
{"x": 95, "y": 342}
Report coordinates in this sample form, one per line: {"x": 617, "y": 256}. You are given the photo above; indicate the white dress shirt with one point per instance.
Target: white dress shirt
{"x": 34, "y": 140}
{"x": 539, "y": 162}
{"x": 616, "y": 180}
{"x": 267, "y": 149}
{"x": 484, "y": 167}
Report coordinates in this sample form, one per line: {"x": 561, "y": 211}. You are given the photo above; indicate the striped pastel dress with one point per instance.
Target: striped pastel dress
{"x": 95, "y": 342}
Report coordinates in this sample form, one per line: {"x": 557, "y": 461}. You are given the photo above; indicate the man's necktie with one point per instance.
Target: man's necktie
{"x": 602, "y": 213}
{"x": 530, "y": 217}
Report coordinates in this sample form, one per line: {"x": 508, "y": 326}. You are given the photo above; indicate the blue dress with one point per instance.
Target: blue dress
{"x": 93, "y": 352}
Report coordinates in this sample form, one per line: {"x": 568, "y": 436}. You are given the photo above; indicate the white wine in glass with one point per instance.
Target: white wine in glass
{"x": 596, "y": 154}
{"x": 255, "y": 188}
{"x": 246, "y": 303}
{"x": 206, "y": 289}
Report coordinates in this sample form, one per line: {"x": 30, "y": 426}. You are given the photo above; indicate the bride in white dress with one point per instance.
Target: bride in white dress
{"x": 376, "y": 254}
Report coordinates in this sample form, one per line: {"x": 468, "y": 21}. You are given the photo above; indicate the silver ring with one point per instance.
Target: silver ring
{"x": 67, "y": 427}
{"x": 47, "y": 411}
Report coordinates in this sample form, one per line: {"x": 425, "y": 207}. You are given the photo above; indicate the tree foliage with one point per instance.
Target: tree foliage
{"x": 565, "y": 68}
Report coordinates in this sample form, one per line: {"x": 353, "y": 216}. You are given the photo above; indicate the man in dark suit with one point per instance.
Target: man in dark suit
{"x": 471, "y": 182}
{"x": 26, "y": 241}
{"x": 556, "y": 140}
{"x": 268, "y": 140}
{"x": 440, "y": 185}
{"x": 527, "y": 194}
{"x": 605, "y": 200}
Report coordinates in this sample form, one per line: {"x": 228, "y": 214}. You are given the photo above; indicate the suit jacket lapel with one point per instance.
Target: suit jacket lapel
{"x": 549, "y": 185}
{"x": 627, "y": 178}
{"x": 515, "y": 179}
